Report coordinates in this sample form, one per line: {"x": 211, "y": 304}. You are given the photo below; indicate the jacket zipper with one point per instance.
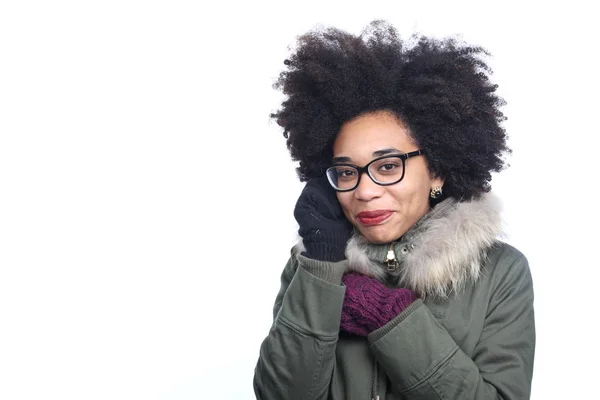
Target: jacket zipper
{"x": 375, "y": 383}
{"x": 392, "y": 264}
{"x": 390, "y": 259}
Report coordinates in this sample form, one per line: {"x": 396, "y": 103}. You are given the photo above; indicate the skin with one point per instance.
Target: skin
{"x": 408, "y": 199}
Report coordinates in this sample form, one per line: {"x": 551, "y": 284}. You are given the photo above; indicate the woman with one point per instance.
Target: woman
{"x": 400, "y": 288}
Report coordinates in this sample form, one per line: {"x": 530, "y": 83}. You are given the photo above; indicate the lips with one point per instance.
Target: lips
{"x": 370, "y": 218}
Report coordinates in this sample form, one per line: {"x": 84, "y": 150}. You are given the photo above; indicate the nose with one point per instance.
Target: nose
{"x": 367, "y": 189}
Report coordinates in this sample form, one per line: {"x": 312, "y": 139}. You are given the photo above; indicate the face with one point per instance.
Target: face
{"x": 387, "y": 211}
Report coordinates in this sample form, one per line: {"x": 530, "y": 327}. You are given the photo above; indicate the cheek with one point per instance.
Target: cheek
{"x": 345, "y": 200}
{"x": 415, "y": 184}
{"x": 411, "y": 196}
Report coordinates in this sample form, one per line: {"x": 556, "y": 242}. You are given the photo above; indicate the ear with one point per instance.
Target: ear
{"x": 437, "y": 181}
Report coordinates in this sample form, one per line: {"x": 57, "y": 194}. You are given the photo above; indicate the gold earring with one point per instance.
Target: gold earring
{"x": 436, "y": 192}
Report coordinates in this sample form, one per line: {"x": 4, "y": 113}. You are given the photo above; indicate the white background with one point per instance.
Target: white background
{"x": 132, "y": 265}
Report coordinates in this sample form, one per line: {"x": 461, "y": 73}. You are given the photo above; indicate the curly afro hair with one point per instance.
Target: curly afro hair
{"x": 439, "y": 89}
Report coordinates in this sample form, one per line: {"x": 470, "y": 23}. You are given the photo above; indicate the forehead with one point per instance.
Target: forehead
{"x": 361, "y": 137}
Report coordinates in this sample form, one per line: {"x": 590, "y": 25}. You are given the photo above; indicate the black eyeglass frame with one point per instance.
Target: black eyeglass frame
{"x": 365, "y": 169}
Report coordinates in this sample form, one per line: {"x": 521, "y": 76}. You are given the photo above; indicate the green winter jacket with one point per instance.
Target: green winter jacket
{"x": 471, "y": 335}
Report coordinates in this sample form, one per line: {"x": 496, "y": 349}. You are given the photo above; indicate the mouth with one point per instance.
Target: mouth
{"x": 371, "y": 218}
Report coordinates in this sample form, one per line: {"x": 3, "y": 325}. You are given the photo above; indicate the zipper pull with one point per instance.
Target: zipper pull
{"x": 390, "y": 259}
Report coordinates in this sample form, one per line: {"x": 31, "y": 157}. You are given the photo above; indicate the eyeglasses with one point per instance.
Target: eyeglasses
{"x": 385, "y": 171}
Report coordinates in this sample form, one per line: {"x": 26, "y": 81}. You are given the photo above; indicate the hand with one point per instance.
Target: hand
{"x": 323, "y": 226}
{"x": 369, "y": 304}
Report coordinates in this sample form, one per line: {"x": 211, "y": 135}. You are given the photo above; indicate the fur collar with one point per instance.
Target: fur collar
{"x": 441, "y": 253}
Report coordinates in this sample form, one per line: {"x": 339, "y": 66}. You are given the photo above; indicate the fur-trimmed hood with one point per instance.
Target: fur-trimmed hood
{"x": 438, "y": 255}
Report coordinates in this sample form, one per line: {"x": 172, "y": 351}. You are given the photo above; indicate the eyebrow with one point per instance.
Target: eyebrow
{"x": 378, "y": 153}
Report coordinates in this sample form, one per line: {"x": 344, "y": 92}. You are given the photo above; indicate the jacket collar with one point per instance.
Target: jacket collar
{"x": 440, "y": 253}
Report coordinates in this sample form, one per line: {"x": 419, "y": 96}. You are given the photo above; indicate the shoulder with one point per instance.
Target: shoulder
{"x": 507, "y": 268}
{"x": 503, "y": 253}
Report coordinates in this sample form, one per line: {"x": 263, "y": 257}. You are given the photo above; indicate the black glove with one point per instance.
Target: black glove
{"x": 324, "y": 228}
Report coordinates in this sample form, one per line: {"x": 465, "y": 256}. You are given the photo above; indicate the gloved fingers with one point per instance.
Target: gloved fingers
{"x": 323, "y": 198}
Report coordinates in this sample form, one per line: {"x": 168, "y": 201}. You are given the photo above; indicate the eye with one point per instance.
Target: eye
{"x": 387, "y": 167}
{"x": 346, "y": 173}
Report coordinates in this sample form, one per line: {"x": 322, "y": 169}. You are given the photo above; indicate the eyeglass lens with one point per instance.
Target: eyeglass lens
{"x": 386, "y": 171}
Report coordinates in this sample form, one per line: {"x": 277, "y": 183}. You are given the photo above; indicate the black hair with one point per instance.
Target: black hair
{"x": 439, "y": 88}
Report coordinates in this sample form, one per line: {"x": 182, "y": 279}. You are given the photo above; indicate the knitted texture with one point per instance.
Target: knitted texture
{"x": 322, "y": 224}
{"x": 325, "y": 245}
{"x": 369, "y": 304}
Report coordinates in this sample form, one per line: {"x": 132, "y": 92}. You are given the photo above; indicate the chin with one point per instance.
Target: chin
{"x": 377, "y": 235}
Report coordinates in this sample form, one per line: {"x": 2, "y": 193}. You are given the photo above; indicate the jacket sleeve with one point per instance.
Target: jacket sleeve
{"x": 423, "y": 361}
{"x": 297, "y": 358}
